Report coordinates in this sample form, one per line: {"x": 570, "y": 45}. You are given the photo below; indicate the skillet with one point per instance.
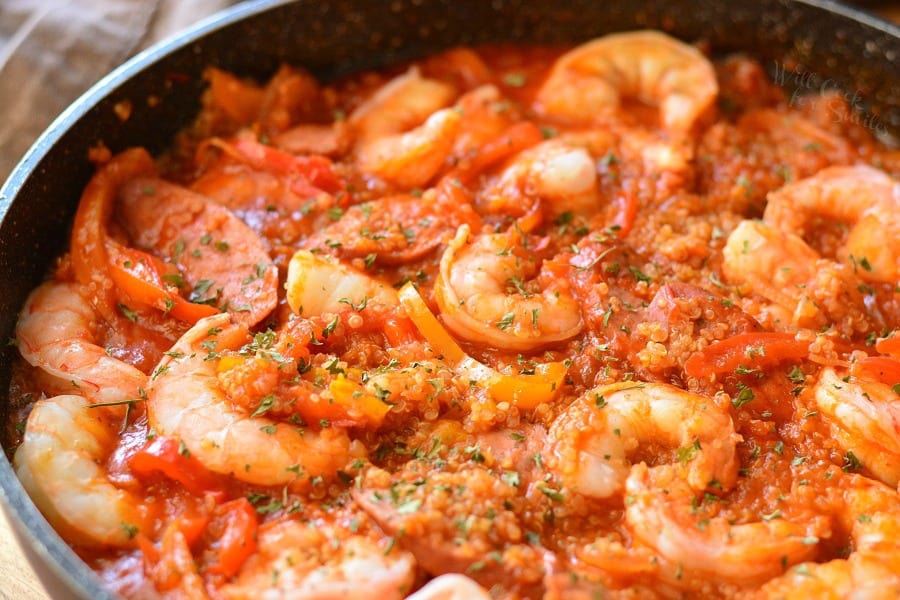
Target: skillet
{"x": 806, "y": 45}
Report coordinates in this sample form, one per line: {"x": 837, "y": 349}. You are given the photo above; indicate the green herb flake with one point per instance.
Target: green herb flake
{"x": 506, "y": 322}
{"x": 687, "y": 453}
{"x": 551, "y": 493}
{"x": 511, "y": 478}
{"x": 851, "y": 462}
{"x": 127, "y": 313}
{"x": 410, "y": 506}
{"x": 129, "y": 529}
{"x": 515, "y": 79}
{"x": 265, "y": 405}
{"x": 796, "y": 375}
{"x": 331, "y": 326}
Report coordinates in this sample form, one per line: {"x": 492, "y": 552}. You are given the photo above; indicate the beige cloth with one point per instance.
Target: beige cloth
{"x": 51, "y": 51}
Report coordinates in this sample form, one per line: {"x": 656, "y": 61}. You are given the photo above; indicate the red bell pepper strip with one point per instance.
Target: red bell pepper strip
{"x": 313, "y": 172}
{"x": 518, "y": 137}
{"x": 885, "y": 369}
{"x": 168, "y": 456}
{"x": 889, "y": 345}
{"x": 752, "y": 350}
{"x": 625, "y": 214}
{"x": 238, "y": 542}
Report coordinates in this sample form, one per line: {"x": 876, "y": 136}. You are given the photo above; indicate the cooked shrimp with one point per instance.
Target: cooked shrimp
{"x": 661, "y": 510}
{"x": 400, "y": 104}
{"x": 808, "y": 290}
{"x": 482, "y": 120}
{"x": 775, "y": 265}
{"x": 670, "y": 162}
{"x": 870, "y": 512}
{"x": 650, "y": 66}
{"x": 319, "y": 284}
{"x": 483, "y": 295}
{"x": 595, "y": 437}
{"x": 411, "y": 159}
{"x": 297, "y": 560}
{"x": 60, "y": 463}
{"x": 57, "y": 332}
{"x": 185, "y": 401}
{"x": 404, "y": 132}
{"x": 866, "y": 199}
{"x": 864, "y": 417}
{"x": 776, "y": 262}
{"x": 451, "y": 587}
{"x": 224, "y": 261}
{"x": 558, "y": 172}
{"x": 860, "y": 577}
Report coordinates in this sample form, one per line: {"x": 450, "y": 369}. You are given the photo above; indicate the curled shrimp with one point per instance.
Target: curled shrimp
{"x": 647, "y": 65}
{"x": 864, "y": 417}
{"x": 866, "y": 199}
{"x": 595, "y": 437}
{"x": 558, "y": 172}
{"x": 404, "y": 133}
{"x": 60, "y": 463}
{"x": 773, "y": 258}
{"x": 297, "y": 560}
{"x": 186, "y": 402}
{"x": 860, "y": 576}
{"x": 483, "y": 294}
{"x": 661, "y": 510}
{"x": 806, "y": 289}
{"x": 57, "y": 332}
{"x": 870, "y": 512}
{"x": 319, "y": 284}
{"x": 774, "y": 265}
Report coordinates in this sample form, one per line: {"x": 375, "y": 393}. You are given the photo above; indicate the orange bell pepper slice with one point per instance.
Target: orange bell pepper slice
{"x": 428, "y": 325}
{"x": 140, "y": 276}
{"x": 346, "y": 405}
{"x": 525, "y": 391}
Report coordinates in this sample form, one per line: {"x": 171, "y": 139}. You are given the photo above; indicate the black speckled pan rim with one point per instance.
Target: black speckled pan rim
{"x": 47, "y": 548}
